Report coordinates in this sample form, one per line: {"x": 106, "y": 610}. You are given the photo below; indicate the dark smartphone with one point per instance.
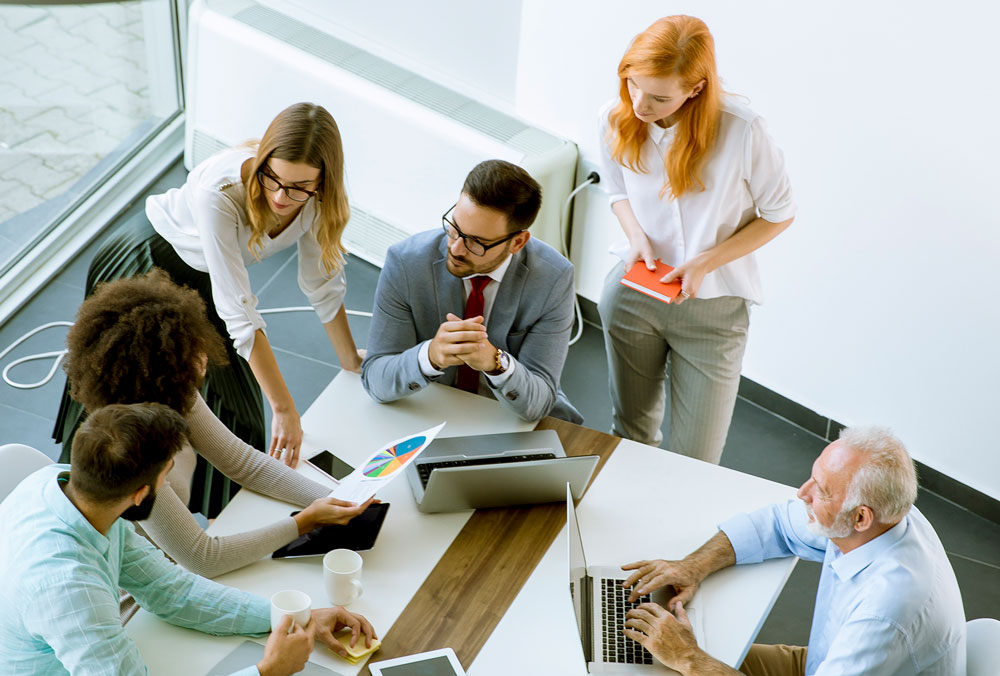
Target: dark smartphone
{"x": 328, "y": 463}
{"x": 359, "y": 535}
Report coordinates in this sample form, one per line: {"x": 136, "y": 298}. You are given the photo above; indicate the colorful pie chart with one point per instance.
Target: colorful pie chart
{"x": 386, "y": 462}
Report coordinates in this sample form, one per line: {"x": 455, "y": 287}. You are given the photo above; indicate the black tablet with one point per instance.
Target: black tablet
{"x": 359, "y": 535}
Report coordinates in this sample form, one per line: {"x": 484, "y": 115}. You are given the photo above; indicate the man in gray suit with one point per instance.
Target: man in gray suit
{"x": 481, "y": 306}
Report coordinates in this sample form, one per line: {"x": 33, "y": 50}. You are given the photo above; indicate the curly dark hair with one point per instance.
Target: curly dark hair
{"x": 139, "y": 340}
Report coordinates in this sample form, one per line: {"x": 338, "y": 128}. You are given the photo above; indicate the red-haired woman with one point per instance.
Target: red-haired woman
{"x": 697, "y": 183}
{"x": 237, "y": 207}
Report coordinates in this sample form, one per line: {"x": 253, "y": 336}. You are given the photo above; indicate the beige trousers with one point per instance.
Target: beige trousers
{"x": 703, "y": 340}
{"x": 774, "y": 660}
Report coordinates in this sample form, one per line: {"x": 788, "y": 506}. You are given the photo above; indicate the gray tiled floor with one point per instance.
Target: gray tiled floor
{"x": 759, "y": 442}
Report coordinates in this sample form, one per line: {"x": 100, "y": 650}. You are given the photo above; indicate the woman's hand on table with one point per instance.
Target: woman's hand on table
{"x": 691, "y": 274}
{"x": 327, "y": 621}
{"x": 355, "y": 367}
{"x": 286, "y": 436}
{"x": 329, "y": 511}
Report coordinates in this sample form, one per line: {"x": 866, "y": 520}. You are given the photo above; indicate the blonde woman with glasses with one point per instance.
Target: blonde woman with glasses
{"x": 236, "y": 208}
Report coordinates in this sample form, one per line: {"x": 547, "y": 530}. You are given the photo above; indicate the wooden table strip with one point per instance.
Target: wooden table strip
{"x": 469, "y": 590}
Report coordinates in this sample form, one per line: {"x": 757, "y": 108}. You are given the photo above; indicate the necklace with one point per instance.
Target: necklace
{"x": 280, "y": 227}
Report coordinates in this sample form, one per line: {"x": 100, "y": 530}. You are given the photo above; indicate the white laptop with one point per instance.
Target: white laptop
{"x": 496, "y": 470}
{"x": 600, "y": 603}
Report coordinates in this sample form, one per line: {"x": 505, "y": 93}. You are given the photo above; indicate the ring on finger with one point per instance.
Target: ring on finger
{"x": 685, "y": 294}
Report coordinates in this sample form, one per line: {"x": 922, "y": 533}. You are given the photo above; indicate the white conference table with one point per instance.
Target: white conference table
{"x": 644, "y": 503}
{"x": 347, "y": 422}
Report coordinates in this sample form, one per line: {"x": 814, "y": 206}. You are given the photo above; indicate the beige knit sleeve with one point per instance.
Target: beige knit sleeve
{"x": 172, "y": 528}
{"x": 245, "y": 465}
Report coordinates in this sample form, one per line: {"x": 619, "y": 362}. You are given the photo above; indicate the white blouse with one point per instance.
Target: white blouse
{"x": 744, "y": 178}
{"x": 206, "y": 222}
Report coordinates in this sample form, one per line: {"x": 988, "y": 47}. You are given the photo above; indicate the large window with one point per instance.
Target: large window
{"x": 83, "y": 88}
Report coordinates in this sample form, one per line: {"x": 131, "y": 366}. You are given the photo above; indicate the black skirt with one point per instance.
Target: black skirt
{"x": 231, "y": 391}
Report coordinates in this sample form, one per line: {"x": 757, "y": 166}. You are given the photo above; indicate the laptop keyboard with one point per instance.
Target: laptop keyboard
{"x": 425, "y": 469}
{"x": 618, "y": 648}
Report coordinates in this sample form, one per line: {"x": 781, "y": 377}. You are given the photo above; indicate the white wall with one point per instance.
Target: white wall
{"x": 468, "y": 46}
{"x": 882, "y": 297}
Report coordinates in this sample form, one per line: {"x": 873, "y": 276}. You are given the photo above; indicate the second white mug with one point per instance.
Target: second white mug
{"x": 342, "y": 576}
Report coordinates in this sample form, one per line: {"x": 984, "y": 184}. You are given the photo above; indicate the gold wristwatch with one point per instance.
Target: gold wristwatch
{"x": 502, "y": 363}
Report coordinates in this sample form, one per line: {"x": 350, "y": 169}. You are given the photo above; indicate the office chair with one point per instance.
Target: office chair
{"x": 18, "y": 462}
{"x": 983, "y": 647}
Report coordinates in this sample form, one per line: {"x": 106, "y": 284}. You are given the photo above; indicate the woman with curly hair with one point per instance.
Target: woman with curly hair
{"x": 145, "y": 339}
{"x": 696, "y": 182}
{"x": 237, "y": 207}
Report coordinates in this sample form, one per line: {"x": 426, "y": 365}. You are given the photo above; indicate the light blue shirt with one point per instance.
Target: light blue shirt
{"x": 890, "y": 607}
{"x": 59, "y": 582}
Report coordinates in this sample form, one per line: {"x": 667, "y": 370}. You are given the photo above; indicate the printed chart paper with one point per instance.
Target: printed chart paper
{"x": 383, "y": 466}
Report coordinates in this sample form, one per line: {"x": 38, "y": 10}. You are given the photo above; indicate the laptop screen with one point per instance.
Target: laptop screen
{"x": 577, "y": 574}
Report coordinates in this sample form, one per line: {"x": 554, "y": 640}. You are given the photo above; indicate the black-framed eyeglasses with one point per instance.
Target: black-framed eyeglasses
{"x": 268, "y": 182}
{"x": 474, "y": 246}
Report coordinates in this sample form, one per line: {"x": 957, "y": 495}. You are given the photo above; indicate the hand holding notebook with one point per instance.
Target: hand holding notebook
{"x": 647, "y": 281}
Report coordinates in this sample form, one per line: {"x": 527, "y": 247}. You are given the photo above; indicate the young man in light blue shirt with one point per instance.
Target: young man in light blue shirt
{"x": 888, "y": 602}
{"x": 67, "y": 547}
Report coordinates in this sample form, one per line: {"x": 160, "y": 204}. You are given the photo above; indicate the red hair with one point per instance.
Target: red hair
{"x": 680, "y": 46}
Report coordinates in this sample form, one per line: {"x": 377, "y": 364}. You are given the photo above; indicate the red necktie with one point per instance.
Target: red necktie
{"x": 468, "y": 378}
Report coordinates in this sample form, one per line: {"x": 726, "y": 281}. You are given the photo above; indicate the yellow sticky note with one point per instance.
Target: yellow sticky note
{"x": 359, "y": 652}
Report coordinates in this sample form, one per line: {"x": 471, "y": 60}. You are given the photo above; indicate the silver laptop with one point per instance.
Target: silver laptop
{"x": 248, "y": 653}
{"x": 600, "y": 603}
{"x": 496, "y": 470}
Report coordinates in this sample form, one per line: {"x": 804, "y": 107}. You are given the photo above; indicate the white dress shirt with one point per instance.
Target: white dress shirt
{"x": 206, "y": 222}
{"x": 744, "y": 176}
{"x": 489, "y": 295}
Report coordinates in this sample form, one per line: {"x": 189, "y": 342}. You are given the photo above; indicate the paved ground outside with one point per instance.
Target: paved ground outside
{"x": 74, "y": 84}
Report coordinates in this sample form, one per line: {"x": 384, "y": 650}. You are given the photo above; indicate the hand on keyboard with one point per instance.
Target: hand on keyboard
{"x": 657, "y": 574}
{"x": 667, "y": 635}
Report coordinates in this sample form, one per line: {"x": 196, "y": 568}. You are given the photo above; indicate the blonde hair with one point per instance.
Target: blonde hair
{"x": 305, "y": 133}
{"x": 679, "y": 46}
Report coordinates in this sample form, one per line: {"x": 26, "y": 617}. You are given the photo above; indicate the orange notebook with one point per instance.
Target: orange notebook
{"x": 644, "y": 281}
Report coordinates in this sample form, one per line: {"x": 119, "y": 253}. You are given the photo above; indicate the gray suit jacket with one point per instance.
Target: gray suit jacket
{"x": 531, "y": 319}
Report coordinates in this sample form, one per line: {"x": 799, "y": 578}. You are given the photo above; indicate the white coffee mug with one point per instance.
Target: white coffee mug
{"x": 290, "y": 602}
{"x": 342, "y": 576}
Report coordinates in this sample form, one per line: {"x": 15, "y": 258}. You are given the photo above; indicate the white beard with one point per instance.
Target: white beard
{"x": 841, "y": 527}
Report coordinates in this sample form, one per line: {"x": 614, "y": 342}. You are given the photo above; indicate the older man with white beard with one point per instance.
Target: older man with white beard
{"x": 888, "y": 602}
